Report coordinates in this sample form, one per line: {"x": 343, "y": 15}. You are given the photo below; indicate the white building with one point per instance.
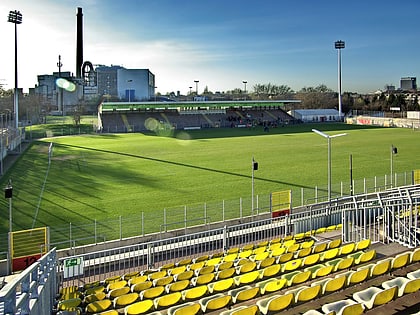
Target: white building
{"x": 135, "y": 84}
{"x": 315, "y": 115}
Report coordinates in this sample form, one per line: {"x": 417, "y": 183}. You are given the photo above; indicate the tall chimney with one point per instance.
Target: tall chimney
{"x": 79, "y": 43}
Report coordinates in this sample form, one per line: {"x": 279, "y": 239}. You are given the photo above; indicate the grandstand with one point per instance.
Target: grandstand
{"x": 146, "y": 116}
{"x": 353, "y": 255}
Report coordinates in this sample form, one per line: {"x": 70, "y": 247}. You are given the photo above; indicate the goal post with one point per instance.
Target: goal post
{"x": 280, "y": 203}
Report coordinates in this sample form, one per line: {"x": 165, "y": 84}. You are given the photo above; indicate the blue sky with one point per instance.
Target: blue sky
{"x": 220, "y": 42}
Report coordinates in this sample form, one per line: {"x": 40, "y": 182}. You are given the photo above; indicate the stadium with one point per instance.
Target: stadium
{"x": 286, "y": 252}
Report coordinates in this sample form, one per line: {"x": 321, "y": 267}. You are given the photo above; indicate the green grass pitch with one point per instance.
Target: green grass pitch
{"x": 105, "y": 176}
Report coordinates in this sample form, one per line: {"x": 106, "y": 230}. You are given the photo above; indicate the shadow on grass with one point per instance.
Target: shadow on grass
{"x": 183, "y": 165}
{"x": 259, "y": 131}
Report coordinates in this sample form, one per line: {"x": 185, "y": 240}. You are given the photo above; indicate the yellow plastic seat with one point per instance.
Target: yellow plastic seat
{"x": 291, "y": 265}
{"x": 163, "y": 281}
{"x": 196, "y": 266}
{"x": 363, "y": 257}
{"x": 271, "y": 285}
{"x": 138, "y": 287}
{"x": 94, "y": 290}
{"x": 274, "y": 246}
{"x": 116, "y": 285}
{"x": 405, "y": 285}
{"x": 214, "y": 302}
{"x": 259, "y": 257}
{"x": 357, "y": 276}
{"x": 247, "y": 278}
{"x": 112, "y": 279}
{"x": 177, "y": 286}
{"x": 136, "y": 280}
{"x": 318, "y": 248}
{"x": 276, "y": 252}
{"x": 247, "y": 247}
{"x": 292, "y": 248}
{"x": 334, "y": 243}
{"x": 177, "y": 270}
{"x": 130, "y": 275}
{"x": 347, "y": 249}
{"x": 221, "y": 285}
{"x": 167, "y": 300}
{"x": 245, "y": 254}
{"x": 184, "y": 262}
{"x": 202, "y": 279}
{"x": 399, "y": 261}
{"x": 186, "y": 275}
{"x": 331, "y": 285}
{"x": 331, "y": 228}
{"x": 167, "y": 266}
{"x": 307, "y": 244}
{"x": 194, "y": 293}
{"x": 303, "y": 252}
{"x": 304, "y": 293}
{"x": 415, "y": 255}
{"x": 98, "y": 306}
{"x": 363, "y": 244}
{"x": 243, "y": 293}
{"x": 320, "y": 230}
{"x": 311, "y": 260}
{"x": 158, "y": 275}
{"x": 213, "y": 261}
{"x": 270, "y": 271}
{"x": 224, "y": 265}
{"x": 136, "y": 308}
{"x": 275, "y": 303}
{"x": 299, "y": 236}
{"x": 189, "y": 308}
{"x": 381, "y": 267}
{"x": 226, "y": 273}
{"x": 124, "y": 300}
{"x": 233, "y": 250}
{"x": 230, "y": 257}
{"x": 341, "y": 263}
{"x": 259, "y": 250}
{"x": 320, "y": 270}
{"x": 343, "y": 307}
{"x": 71, "y": 295}
{"x": 109, "y": 312}
{"x": 201, "y": 258}
{"x": 247, "y": 267}
{"x": 152, "y": 293}
{"x": 288, "y": 242}
{"x": 329, "y": 254}
{"x": 265, "y": 262}
{"x": 91, "y": 285}
{"x": 94, "y": 297}
{"x": 69, "y": 289}
{"x": 296, "y": 277}
{"x": 205, "y": 270}
{"x": 69, "y": 304}
{"x": 117, "y": 292}
{"x": 374, "y": 296}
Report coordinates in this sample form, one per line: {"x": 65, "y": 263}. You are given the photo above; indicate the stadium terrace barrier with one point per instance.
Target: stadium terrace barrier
{"x": 33, "y": 291}
{"x": 361, "y": 216}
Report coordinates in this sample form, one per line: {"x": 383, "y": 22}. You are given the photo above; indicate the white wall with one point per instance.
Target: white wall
{"x": 139, "y": 80}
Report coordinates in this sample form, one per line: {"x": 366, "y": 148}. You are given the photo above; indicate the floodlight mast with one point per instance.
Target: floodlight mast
{"x": 328, "y": 137}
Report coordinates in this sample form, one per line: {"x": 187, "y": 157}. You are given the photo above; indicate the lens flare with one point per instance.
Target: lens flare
{"x": 65, "y": 84}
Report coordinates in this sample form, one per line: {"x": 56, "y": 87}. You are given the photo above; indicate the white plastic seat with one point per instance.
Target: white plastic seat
{"x": 374, "y": 296}
{"x": 340, "y": 306}
{"x": 405, "y": 285}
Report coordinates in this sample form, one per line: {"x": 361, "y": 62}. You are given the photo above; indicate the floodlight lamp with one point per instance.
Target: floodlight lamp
{"x": 15, "y": 17}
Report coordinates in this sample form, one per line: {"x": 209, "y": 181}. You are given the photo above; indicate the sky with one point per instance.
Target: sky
{"x": 221, "y": 43}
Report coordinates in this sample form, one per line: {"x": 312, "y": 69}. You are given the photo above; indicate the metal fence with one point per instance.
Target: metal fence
{"x": 362, "y": 216}
{"x": 175, "y": 218}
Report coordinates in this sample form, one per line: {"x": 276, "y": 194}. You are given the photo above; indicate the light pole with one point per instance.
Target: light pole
{"x": 196, "y": 87}
{"x": 16, "y": 18}
{"x": 8, "y": 194}
{"x": 254, "y": 168}
{"x": 394, "y": 150}
{"x": 329, "y": 155}
{"x": 245, "y": 82}
{"x": 339, "y": 45}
